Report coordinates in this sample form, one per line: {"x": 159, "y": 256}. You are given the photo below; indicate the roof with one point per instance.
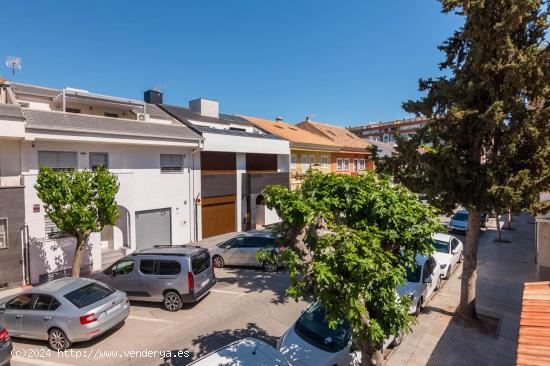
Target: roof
{"x": 383, "y": 148}
{"x": 186, "y": 115}
{"x": 170, "y": 249}
{"x": 11, "y": 111}
{"x": 534, "y": 327}
{"x": 66, "y": 284}
{"x": 340, "y": 135}
{"x": 82, "y": 123}
{"x": 34, "y": 90}
{"x": 298, "y": 137}
{"x": 219, "y": 131}
{"x": 442, "y": 237}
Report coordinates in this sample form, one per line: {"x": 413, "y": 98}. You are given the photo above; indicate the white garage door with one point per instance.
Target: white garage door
{"x": 153, "y": 227}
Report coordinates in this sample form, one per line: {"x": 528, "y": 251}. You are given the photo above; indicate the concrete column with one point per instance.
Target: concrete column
{"x": 241, "y": 169}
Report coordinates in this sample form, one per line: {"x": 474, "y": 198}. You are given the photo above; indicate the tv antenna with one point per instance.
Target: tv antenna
{"x": 13, "y": 63}
{"x": 160, "y": 87}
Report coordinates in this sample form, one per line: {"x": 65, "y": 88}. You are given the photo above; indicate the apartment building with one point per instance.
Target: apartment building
{"x": 386, "y": 131}
{"x": 307, "y": 150}
{"x": 354, "y": 155}
{"x": 150, "y": 152}
{"x": 237, "y": 162}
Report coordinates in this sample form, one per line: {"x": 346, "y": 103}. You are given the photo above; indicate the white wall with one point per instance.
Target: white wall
{"x": 10, "y": 162}
{"x": 142, "y": 185}
{"x": 242, "y": 144}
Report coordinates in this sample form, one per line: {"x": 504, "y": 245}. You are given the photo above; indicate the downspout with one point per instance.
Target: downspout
{"x": 64, "y": 102}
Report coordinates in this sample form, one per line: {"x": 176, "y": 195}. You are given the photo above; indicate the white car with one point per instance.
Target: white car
{"x": 421, "y": 282}
{"x": 245, "y": 352}
{"x": 449, "y": 251}
{"x": 311, "y": 342}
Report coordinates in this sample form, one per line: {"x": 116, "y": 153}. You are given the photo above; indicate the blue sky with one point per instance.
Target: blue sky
{"x": 344, "y": 62}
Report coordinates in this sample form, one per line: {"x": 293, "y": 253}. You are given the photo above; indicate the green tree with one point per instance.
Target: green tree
{"x": 79, "y": 202}
{"x": 488, "y": 120}
{"x": 352, "y": 239}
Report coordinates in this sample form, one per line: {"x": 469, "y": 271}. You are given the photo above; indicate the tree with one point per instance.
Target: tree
{"x": 488, "y": 120}
{"x": 79, "y": 202}
{"x": 351, "y": 239}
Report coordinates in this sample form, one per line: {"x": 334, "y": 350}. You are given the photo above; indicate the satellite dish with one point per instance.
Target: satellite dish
{"x": 13, "y": 63}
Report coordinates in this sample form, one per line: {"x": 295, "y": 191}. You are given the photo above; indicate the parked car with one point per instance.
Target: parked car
{"x": 171, "y": 274}
{"x": 422, "y": 280}
{"x": 448, "y": 252}
{"x": 244, "y": 352}
{"x": 5, "y": 347}
{"x": 64, "y": 311}
{"x": 311, "y": 342}
{"x": 459, "y": 221}
{"x": 242, "y": 250}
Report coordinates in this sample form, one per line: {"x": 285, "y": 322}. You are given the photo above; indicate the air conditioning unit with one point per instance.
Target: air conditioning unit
{"x": 144, "y": 117}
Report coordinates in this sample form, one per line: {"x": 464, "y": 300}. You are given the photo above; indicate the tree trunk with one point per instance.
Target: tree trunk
{"x": 467, "y": 306}
{"x": 371, "y": 355}
{"x": 78, "y": 254}
{"x": 497, "y": 219}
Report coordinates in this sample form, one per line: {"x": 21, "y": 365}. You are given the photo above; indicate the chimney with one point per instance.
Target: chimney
{"x": 152, "y": 97}
{"x": 205, "y": 107}
{"x": 279, "y": 119}
{"x": 308, "y": 118}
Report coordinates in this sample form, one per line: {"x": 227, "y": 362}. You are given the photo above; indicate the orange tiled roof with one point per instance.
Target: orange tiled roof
{"x": 298, "y": 137}
{"x": 534, "y": 327}
{"x": 340, "y": 135}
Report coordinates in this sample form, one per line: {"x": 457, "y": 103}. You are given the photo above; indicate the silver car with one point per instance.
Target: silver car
{"x": 169, "y": 274}
{"x": 422, "y": 280}
{"x": 64, "y": 311}
{"x": 242, "y": 250}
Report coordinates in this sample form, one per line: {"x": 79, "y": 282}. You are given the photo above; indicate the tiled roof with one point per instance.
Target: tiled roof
{"x": 534, "y": 328}
{"x": 35, "y": 90}
{"x": 186, "y": 115}
{"x": 10, "y": 110}
{"x": 340, "y": 135}
{"x": 59, "y": 121}
{"x": 299, "y": 138}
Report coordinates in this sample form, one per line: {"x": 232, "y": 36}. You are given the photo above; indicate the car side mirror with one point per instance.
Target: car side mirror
{"x": 2, "y": 307}
{"x": 454, "y": 252}
{"x": 428, "y": 279}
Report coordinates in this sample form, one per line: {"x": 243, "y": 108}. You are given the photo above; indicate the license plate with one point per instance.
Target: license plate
{"x": 114, "y": 308}
{"x": 204, "y": 283}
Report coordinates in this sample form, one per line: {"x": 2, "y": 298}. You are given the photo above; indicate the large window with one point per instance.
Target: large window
{"x": 362, "y": 165}
{"x": 324, "y": 161}
{"x": 346, "y": 165}
{"x": 3, "y": 233}
{"x": 293, "y": 162}
{"x": 58, "y": 160}
{"x": 339, "y": 164}
{"x": 171, "y": 163}
{"x": 88, "y": 295}
{"x": 99, "y": 159}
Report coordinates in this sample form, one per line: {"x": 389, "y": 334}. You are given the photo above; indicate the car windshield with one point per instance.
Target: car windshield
{"x": 441, "y": 246}
{"x": 314, "y": 326}
{"x": 413, "y": 274}
{"x": 88, "y": 295}
{"x": 460, "y": 216}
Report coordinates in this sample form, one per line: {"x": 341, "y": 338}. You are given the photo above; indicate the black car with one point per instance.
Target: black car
{"x": 5, "y": 346}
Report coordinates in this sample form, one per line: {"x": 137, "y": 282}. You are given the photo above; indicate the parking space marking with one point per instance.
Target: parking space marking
{"x": 36, "y": 361}
{"x": 229, "y": 292}
{"x": 150, "y": 319}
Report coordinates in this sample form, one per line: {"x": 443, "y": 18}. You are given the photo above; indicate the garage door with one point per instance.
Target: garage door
{"x": 153, "y": 227}
{"x": 218, "y": 215}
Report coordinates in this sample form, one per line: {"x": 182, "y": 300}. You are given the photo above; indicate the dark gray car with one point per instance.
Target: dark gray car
{"x": 171, "y": 274}
{"x": 5, "y": 346}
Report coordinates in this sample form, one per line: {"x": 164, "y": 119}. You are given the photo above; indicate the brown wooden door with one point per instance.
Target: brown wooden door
{"x": 218, "y": 215}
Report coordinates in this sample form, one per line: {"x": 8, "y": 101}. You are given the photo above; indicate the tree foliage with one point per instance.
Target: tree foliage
{"x": 79, "y": 202}
{"x": 488, "y": 121}
{"x": 351, "y": 240}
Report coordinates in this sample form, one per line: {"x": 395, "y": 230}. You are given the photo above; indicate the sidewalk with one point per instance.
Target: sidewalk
{"x": 502, "y": 270}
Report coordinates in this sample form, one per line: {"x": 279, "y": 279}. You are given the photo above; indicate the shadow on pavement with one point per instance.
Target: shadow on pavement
{"x": 208, "y": 343}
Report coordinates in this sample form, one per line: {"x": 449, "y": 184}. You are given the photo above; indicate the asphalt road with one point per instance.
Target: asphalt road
{"x": 244, "y": 302}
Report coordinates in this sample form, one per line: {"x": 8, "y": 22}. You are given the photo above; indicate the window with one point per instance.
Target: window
{"x": 237, "y": 129}
{"x": 22, "y": 302}
{"x": 324, "y": 161}
{"x": 72, "y": 110}
{"x": 454, "y": 243}
{"x": 147, "y": 266}
{"x": 304, "y": 161}
{"x": 237, "y": 243}
{"x": 88, "y": 295}
{"x": 124, "y": 267}
{"x": 200, "y": 262}
{"x": 58, "y": 160}
{"x": 293, "y": 161}
{"x": 52, "y": 231}
{"x": 311, "y": 160}
{"x": 3, "y": 233}
{"x": 171, "y": 163}
{"x": 99, "y": 159}
{"x": 339, "y": 164}
{"x": 362, "y": 164}
{"x": 355, "y": 165}
{"x": 346, "y": 165}
{"x": 45, "y": 302}
{"x": 167, "y": 268}
{"x": 112, "y": 115}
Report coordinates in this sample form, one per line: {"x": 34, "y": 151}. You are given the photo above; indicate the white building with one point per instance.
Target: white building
{"x": 150, "y": 152}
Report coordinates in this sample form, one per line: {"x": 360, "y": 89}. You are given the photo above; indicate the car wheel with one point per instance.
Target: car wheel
{"x": 57, "y": 339}
{"x": 448, "y": 275}
{"x": 418, "y": 309}
{"x": 438, "y": 283}
{"x": 397, "y": 340}
{"x": 461, "y": 258}
{"x": 172, "y": 301}
{"x": 270, "y": 267}
{"x": 218, "y": 261}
